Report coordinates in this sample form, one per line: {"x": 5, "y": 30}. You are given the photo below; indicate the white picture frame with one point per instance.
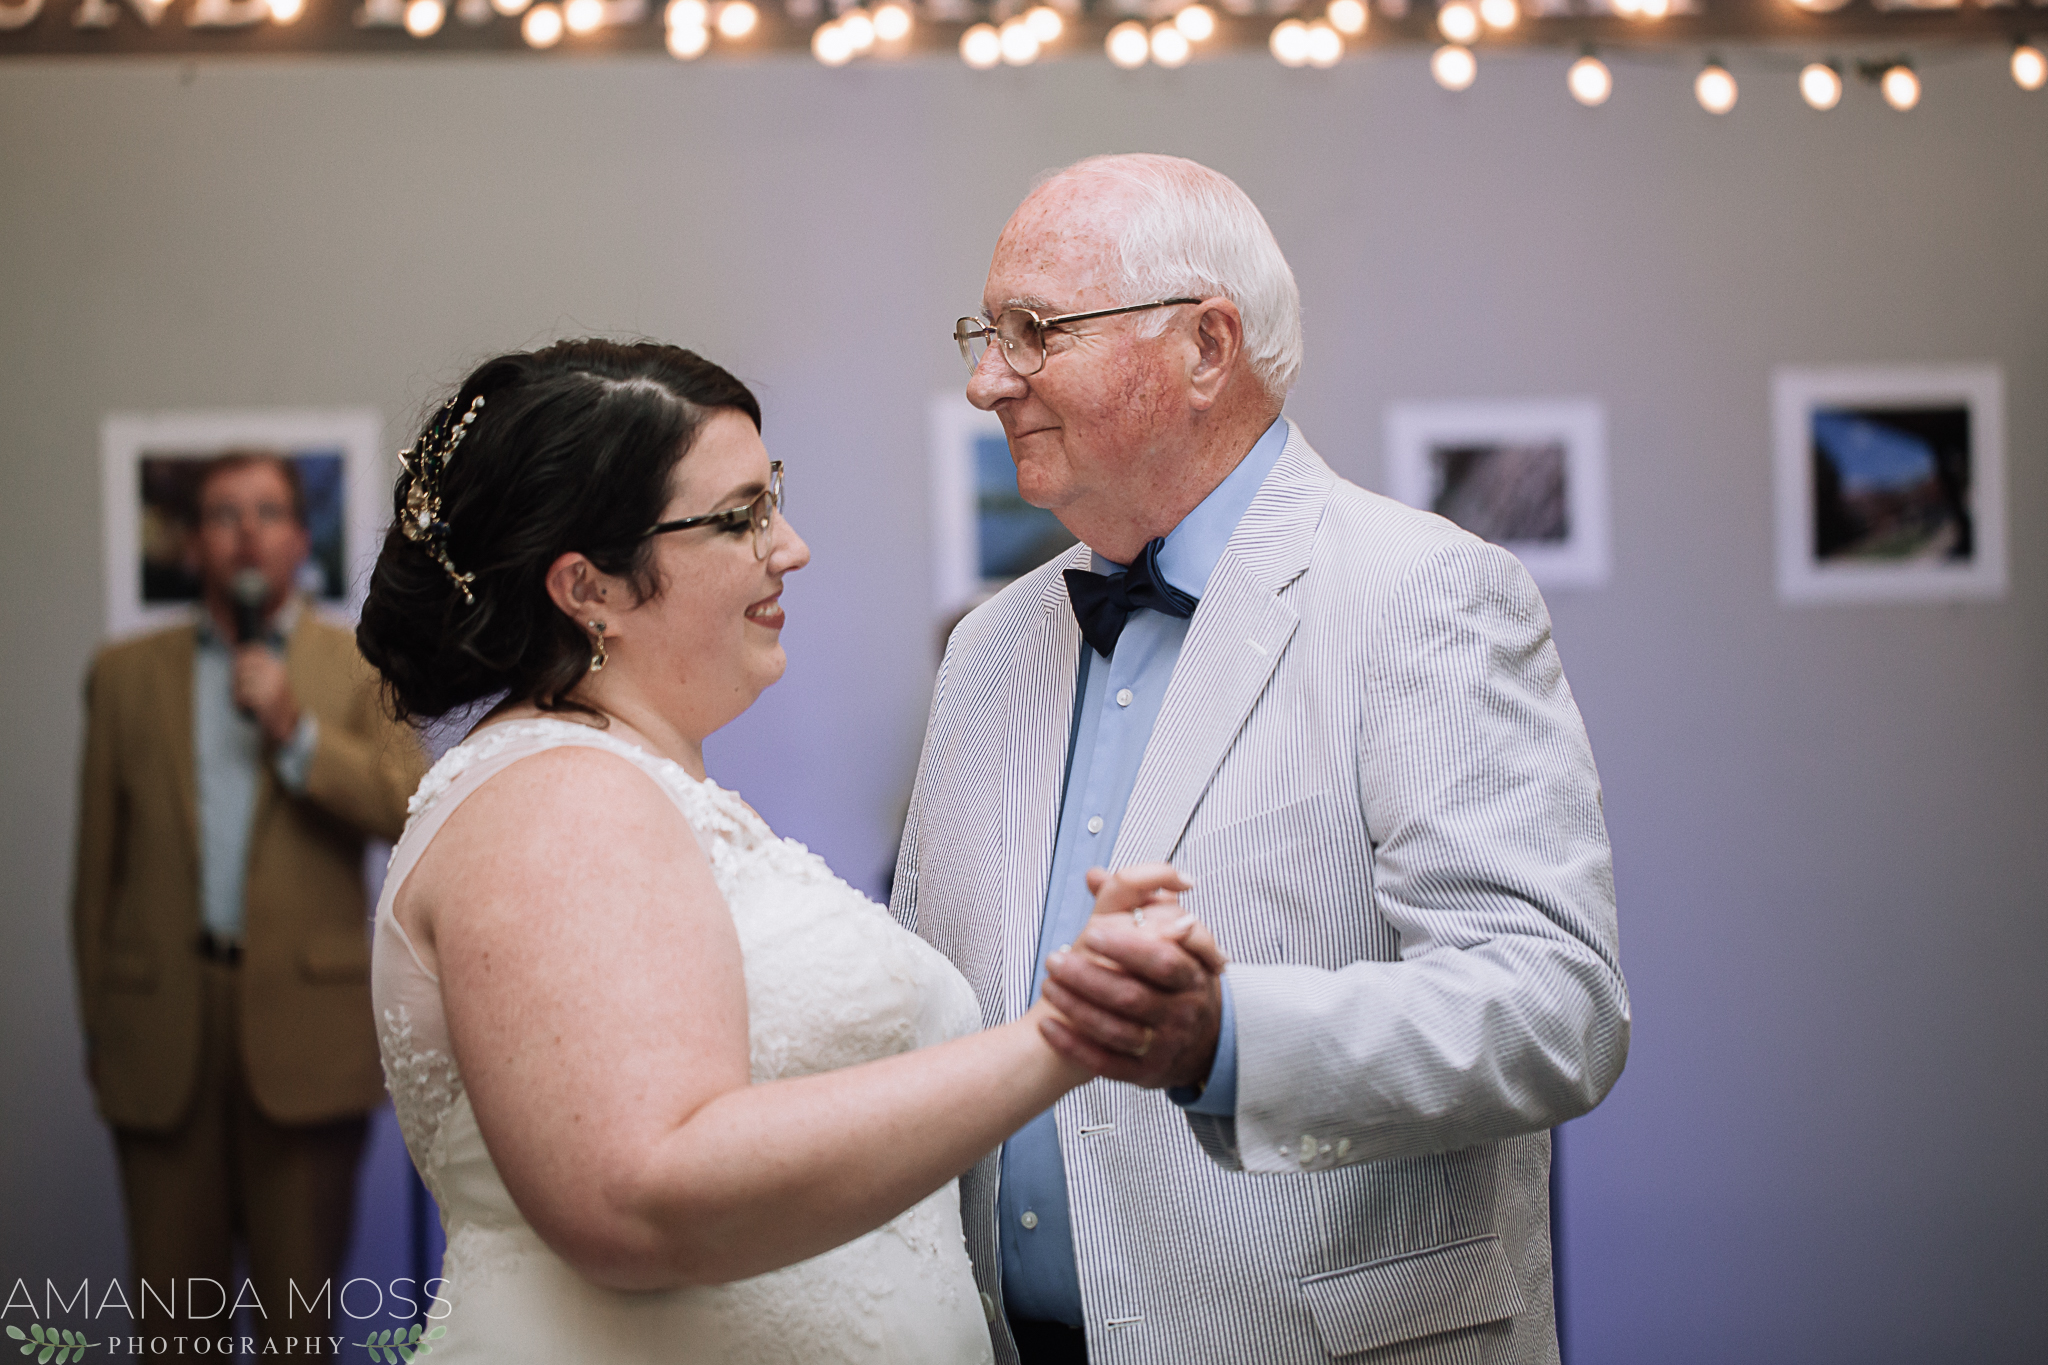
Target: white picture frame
{"x": 1529, "y": 475}
{"x": 983, "y": 534}
{"x": 141, "y": 454}
{"x": 1889, "y": 483}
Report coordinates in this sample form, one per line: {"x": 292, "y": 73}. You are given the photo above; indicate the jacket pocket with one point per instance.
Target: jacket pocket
{"x": 335, "y": 957}
{"x": 1460, "y": 1284}
{"x": 130, "y": 970}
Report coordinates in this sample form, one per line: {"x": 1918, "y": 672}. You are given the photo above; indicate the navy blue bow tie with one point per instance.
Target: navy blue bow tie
{"x": 1102, "y": 605}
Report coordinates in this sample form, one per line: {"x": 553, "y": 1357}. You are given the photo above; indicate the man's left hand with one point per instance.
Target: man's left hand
{"x": 263, "y": 692}
{"x": 1137, "y": 1006}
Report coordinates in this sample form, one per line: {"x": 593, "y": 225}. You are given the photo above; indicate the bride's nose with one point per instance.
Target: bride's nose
{"x": 789, "y": 552}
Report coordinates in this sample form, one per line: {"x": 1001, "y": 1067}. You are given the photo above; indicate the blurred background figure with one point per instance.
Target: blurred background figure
{"x": 233, "y": 769}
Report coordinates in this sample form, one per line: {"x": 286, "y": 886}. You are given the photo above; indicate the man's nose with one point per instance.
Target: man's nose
{"x": 993, "y": 380}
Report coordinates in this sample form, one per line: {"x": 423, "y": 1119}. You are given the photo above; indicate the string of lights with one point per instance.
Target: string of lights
{"x": 1168, "y": 34}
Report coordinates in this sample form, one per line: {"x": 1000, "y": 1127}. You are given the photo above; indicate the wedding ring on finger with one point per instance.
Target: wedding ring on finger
{"x": 1138, "y": 916}
{"x": 1146, "y": 1046}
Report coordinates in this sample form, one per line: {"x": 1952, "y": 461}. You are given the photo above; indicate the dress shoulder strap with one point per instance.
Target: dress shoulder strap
{"x": 464, "y": 769}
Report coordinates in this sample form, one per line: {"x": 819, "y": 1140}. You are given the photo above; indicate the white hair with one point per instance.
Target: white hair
{"x": 1191, "y": 230}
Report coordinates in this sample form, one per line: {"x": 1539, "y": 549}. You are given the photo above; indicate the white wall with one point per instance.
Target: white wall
{"x": 1826, "y": 822}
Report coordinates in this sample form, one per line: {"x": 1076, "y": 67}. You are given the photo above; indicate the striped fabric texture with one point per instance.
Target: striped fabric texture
{"x": 1370, "y": 765}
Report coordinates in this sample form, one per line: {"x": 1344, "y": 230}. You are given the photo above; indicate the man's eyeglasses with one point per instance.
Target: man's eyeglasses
{"x": 1022, "y": 333}
{"x": 757, "y": 516}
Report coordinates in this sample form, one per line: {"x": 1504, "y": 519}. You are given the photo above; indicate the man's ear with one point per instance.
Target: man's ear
{"x": 580, "y": 589}
{"x": 1219, "y": 342}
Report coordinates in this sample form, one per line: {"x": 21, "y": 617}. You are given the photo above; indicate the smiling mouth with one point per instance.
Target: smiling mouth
{"x": 767, "y": 613}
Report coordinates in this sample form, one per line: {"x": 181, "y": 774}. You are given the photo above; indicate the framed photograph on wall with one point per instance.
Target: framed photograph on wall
{"x": 983, "y": 532}
{"x": 1529, "y": 476}
{"x": 150, "y": 463}
{"x": 1890, "y": 483}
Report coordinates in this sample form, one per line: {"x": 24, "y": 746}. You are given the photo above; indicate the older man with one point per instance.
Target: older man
{"x": 233, "y": 769}
{"x": 1346, "y": 723}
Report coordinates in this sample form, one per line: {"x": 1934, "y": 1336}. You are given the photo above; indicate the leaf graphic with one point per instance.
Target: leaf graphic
{"x": 16, "y": 1332}
{"x": 437, "y": 1333}
{"x": 44, "y": 1358}
{"x": 35, "y": 1329}
{"x": 405, "y": 1354}
{"x": 414, "y": 1334}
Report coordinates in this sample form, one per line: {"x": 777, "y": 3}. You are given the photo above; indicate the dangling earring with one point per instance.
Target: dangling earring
{"x": 597, "y": 655}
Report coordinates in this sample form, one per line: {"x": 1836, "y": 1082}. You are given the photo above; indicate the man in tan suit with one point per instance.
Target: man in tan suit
{"x": 229, "y": 785}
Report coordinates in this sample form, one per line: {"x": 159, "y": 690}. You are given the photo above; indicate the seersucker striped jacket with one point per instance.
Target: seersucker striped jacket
{"x": 1370, "y": 765}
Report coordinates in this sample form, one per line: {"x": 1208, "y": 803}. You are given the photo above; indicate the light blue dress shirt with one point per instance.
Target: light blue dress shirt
{"x": 1116, "y": 702}
{"x": 227, "y": 752}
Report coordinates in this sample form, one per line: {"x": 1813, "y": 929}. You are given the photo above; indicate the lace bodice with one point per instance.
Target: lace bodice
{"x": 831, "y": 981}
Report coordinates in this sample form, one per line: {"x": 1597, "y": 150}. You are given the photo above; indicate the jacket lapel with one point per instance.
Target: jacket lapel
{"x": 1233, "y": 645}
{"x": 174, "y": 702}
{"x": 1041, "y": 713}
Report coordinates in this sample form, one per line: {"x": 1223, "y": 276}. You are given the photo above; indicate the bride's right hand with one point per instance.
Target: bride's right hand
{"x": 1147, "y": 897}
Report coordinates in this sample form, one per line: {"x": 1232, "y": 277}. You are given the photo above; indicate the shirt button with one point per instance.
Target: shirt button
{"x": 1123, "y": 698}
{"x": 1095, "y": 824}
{"x": 1029, "y": 1220}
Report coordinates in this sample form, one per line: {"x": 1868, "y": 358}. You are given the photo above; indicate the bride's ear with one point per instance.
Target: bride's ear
{"x": 581, "y": 590}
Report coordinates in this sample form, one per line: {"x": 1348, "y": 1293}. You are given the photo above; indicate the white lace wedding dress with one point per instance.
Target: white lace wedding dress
{"x": 832, "y": 981}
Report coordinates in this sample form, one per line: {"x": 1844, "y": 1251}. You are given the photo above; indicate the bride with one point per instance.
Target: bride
{"x": 680, "y": 1093}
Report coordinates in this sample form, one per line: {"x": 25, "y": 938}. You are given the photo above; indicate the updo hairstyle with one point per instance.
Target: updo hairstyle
{"x": 573, "y": 449}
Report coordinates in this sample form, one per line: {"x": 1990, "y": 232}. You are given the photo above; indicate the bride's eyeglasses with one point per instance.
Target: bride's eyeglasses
{"x": 757, "y": 516}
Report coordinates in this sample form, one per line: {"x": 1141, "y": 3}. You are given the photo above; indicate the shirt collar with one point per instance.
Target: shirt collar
{"x": 277, "y": 629}
{"x": 1193, "y": 547}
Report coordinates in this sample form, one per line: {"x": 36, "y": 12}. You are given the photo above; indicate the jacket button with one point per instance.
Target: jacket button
{"x": 1029, "y": 1220}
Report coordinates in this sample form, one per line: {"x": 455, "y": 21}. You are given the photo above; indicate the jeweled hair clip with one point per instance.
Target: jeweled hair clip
{"x": 425, "y": 463}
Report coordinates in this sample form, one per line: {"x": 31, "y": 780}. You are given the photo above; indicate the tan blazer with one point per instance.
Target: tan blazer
{"x": 308, "y": 1042}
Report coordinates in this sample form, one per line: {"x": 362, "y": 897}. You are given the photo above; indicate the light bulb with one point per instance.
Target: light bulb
{"x": 687, "y": 14}
{"x": 1820, "y": 85}
{"x": 1197, "y": 23}
{"x": 542, "y": 26}
{"x": 829, "y": 44}
{"x": 1715, "y": 89}
{"x": 1653, "y": 9}
{"x": 510, "y": 8}
{"x": 1170, "y": 46}
{"x": 1019, "y": 43}
{"x": 1046, "y": 24}
{"x": 1590, "y": 81}
{"x": 1348, "y": 17}
{"x": 1453, "y": 66}
{"x": 859, "y": 30}
{"x": 892, "y": 21}
{"x": 1627, "y": 6}
{"x": 1324, "y": 46}
{"x": 2029, "y": 68}
{"x": 285, "y": 11}
{"x": 583, "y": 16}
{"x": 423, "y": 18}
{"x": 981, "y": 47}
{"x": 1900, "y": 87}
{"x": 1127, "y": 45}
{"x": 737, "y": 18}
{"x": 1499, "y": 13}
{"x": 1458, "y": 22}
{"x": 687, "y": 41}
{"x": 1290, "y": 42}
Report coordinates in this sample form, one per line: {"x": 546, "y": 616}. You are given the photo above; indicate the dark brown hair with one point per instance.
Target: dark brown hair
{"x": 573, "y": 450}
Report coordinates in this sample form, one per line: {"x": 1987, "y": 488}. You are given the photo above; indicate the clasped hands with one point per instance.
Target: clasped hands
{"x": 1138, "y": 996}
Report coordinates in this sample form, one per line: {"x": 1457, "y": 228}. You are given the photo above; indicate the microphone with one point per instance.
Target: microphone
{"x": 250, "y": 593}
